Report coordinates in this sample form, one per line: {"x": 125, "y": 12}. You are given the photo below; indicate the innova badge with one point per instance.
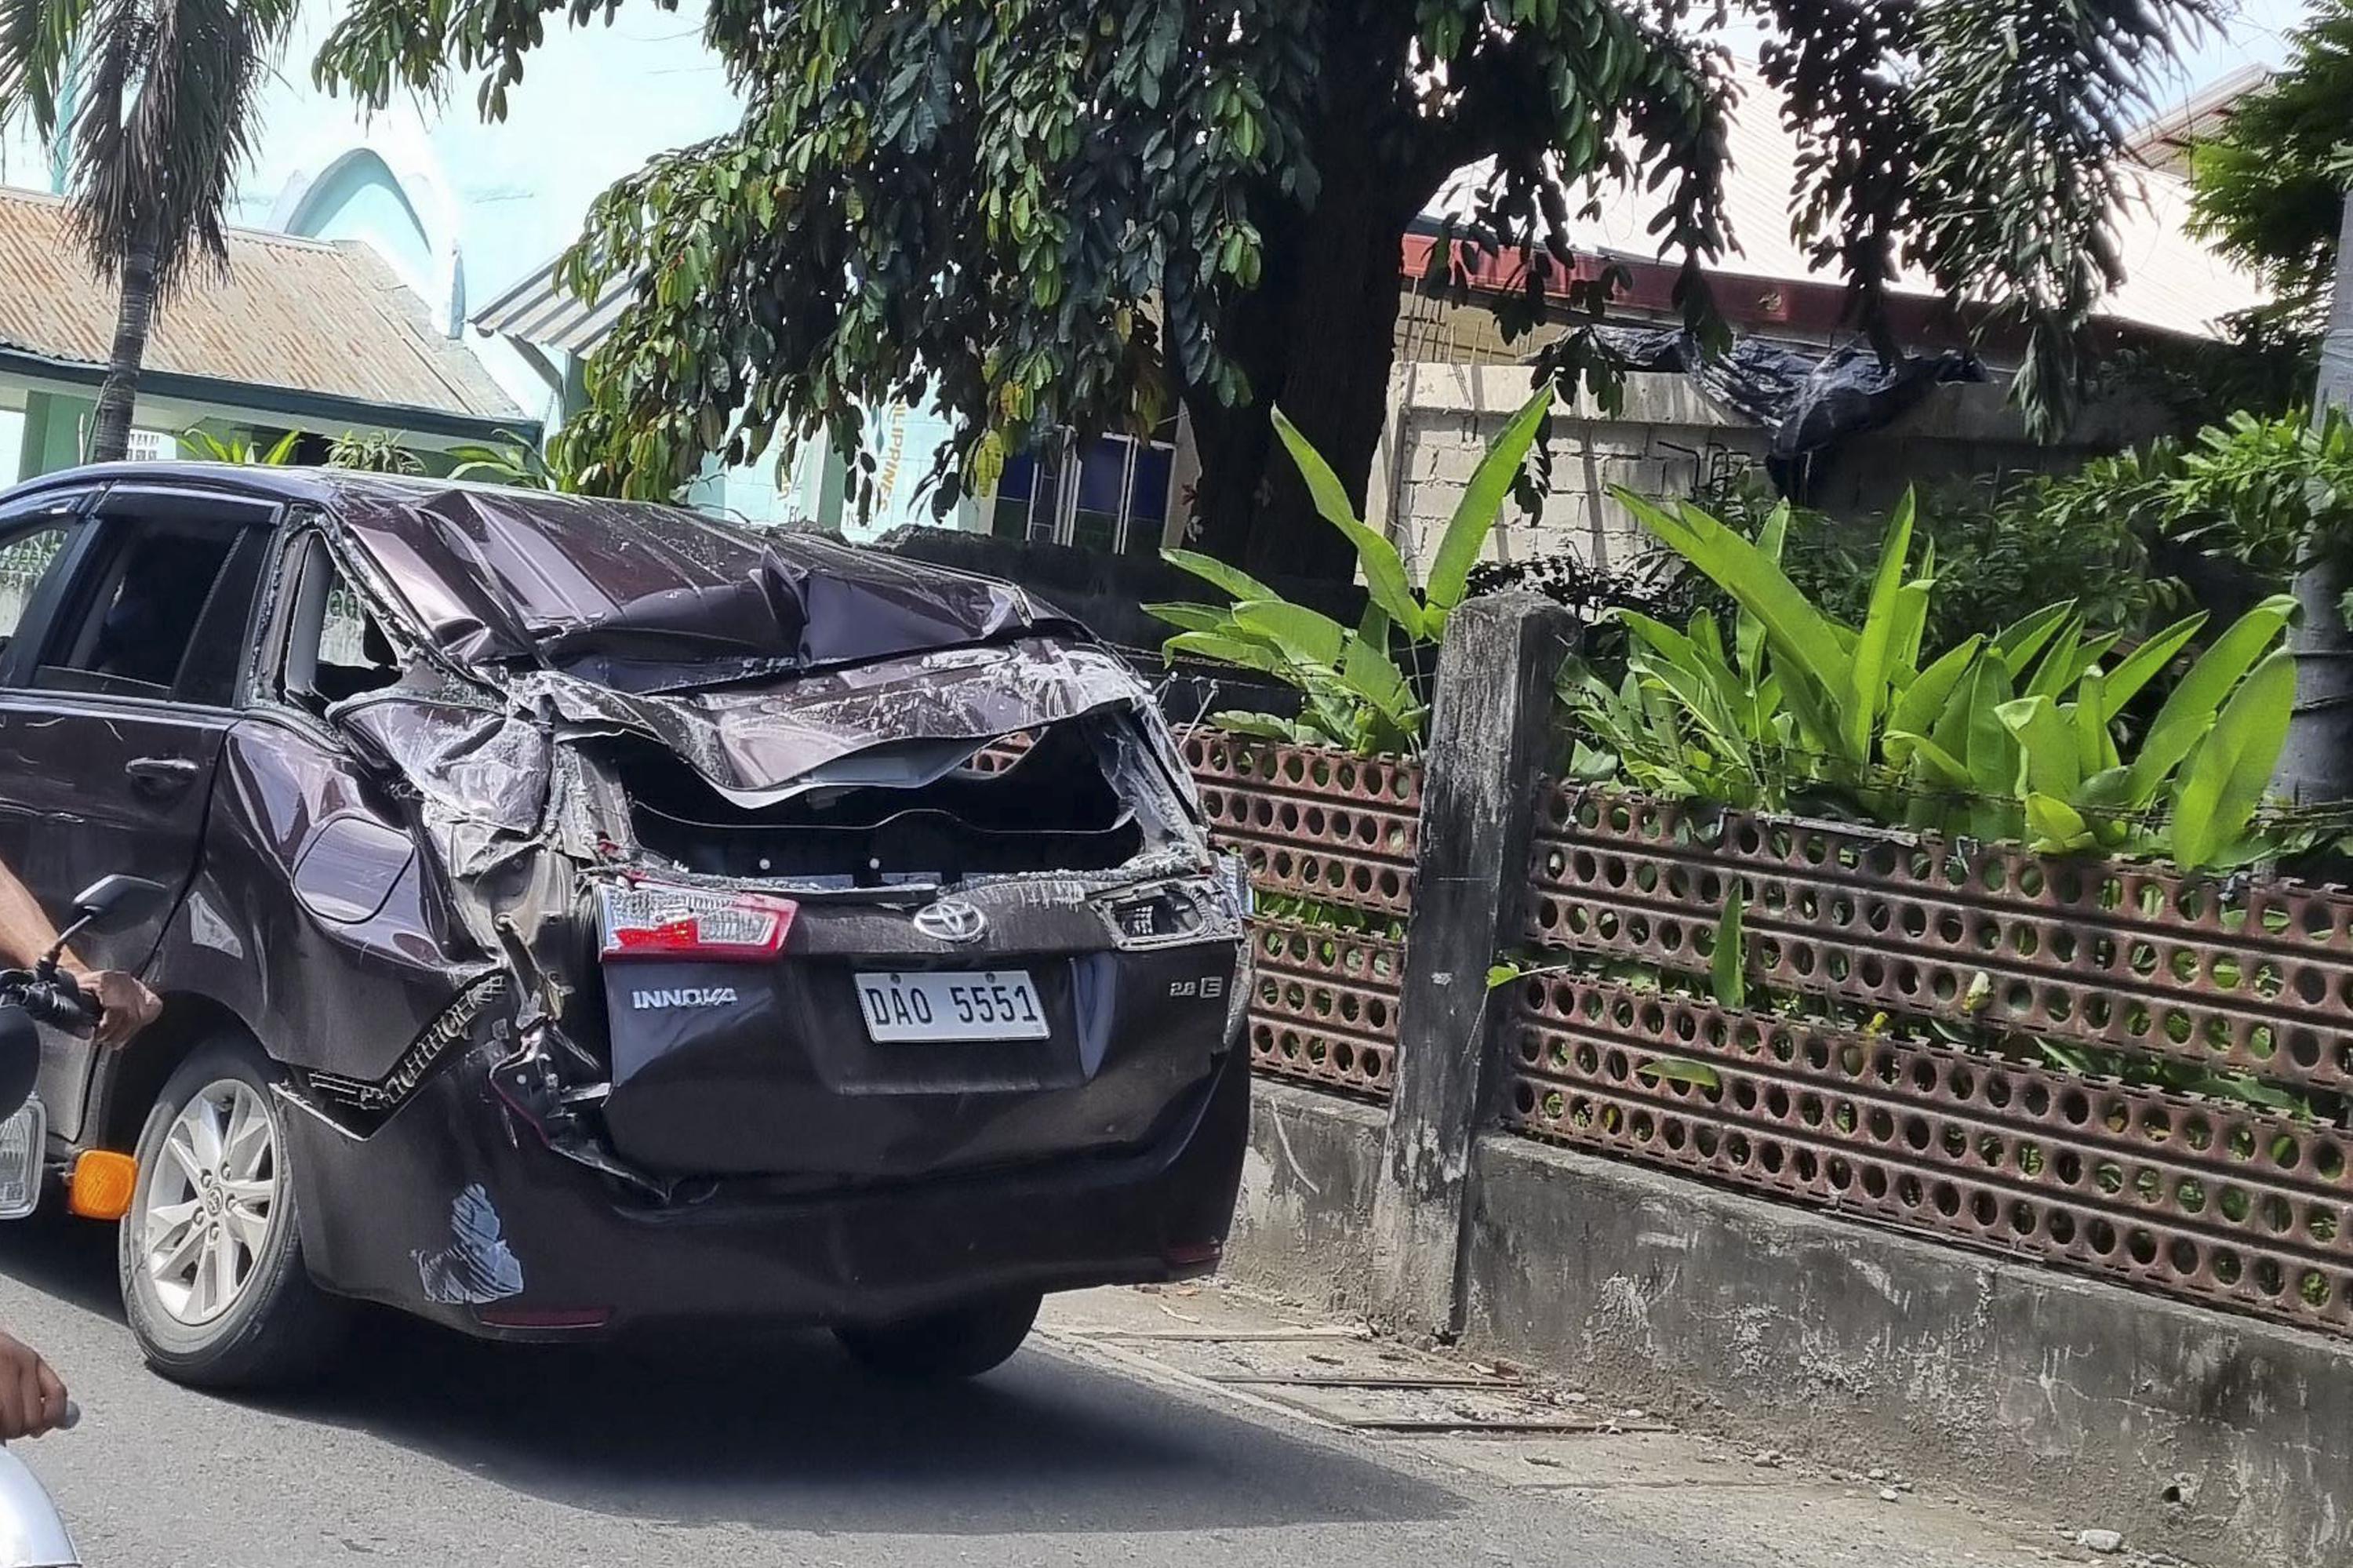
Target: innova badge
{"x": 951, "y": 920}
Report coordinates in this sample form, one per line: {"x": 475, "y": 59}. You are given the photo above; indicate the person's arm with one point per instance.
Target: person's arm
{"x": 125, "y": 1004}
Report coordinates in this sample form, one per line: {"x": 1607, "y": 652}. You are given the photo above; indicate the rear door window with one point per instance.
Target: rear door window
{"x": 132, "y": 624}
{"x": 334, "y": 648}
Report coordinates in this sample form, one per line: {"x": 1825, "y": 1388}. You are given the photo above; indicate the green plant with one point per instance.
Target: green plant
{"x": 2269, "y": 187}
{"x": 372, "y": 454}
{"x": 240, "y": 448}
{"x": 1999, "y": 545}
{"x": 2273, "y": 495}
{"x": 2012, "y": 735}
{"x": 513, "y": 461}
{"x": 1060, "y": 213}
{"x": 1353, "y": 691}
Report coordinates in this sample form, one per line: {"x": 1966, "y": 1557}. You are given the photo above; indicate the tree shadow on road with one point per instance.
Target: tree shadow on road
{"x": 786, "y": 1432}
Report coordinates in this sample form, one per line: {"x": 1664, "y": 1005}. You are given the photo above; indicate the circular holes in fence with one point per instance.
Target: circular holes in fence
{"x": 1917, "y": 1132}
{"x": 2269, "y": 1278}
{"x": 1947, "y": 1199}
{"x": 1881, "y": 1125}
{"x": 2023, "y": 1219}
{"x": 1875, "y": 1182}
{"x": 2075, "y": 1108}
{"x": 2062, "y": 1227}
{"x": 2037, "y": 1100}
{"x": 2228, "y": 1268}
{"x": 2141, "y": 1247}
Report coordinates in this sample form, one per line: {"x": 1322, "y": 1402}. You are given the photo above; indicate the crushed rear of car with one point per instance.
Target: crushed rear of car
{"x": 821, "y": 938}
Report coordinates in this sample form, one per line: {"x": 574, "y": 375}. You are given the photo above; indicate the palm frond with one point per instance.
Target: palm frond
{"x": 165, "y": 121}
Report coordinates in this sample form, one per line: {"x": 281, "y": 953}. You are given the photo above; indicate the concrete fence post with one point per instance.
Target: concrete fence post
{"x": 1491, "y": 734}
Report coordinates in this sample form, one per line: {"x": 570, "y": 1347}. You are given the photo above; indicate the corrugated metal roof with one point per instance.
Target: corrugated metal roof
{"x": 2173, "y": 282}
{"x": 296, "y": 316}
{"x": 538, "y": 310}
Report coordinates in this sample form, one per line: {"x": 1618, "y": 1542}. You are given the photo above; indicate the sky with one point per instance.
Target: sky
{"x": 2257, "y": 35}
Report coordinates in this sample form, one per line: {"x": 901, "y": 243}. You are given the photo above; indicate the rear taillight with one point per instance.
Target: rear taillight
{"x": 652, "y": 920}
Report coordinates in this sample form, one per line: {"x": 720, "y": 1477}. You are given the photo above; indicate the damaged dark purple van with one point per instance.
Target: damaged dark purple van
{"x": 592, "y": 917}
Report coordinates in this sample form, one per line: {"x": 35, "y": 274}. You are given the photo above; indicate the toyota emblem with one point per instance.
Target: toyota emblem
{"x": 951, "y": 920}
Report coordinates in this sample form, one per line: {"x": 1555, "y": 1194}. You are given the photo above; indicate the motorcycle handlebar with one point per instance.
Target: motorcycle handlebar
{"x": 55, "y": 1000}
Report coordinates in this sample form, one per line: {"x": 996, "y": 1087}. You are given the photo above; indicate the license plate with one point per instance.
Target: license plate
{"x": 987, "y": 1004}
{"x": 24, "y": 1137}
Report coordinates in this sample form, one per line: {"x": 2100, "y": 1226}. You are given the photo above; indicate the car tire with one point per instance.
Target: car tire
{"x": 246, "y": 1313}
{"x": 963, "y": 1342}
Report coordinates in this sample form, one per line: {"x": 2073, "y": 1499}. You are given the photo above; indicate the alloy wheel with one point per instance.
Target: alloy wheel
{"x": 211, "y": 1199}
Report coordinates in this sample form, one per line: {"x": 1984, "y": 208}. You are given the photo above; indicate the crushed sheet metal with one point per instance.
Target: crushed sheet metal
{"x": 476, "y": 1267}
{"x": 646, "y": 598}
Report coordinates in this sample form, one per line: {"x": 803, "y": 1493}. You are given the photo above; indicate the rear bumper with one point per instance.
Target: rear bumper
{"x": 453, "y": 1211}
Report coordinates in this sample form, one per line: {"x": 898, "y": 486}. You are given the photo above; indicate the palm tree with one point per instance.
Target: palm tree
{"x": 155, "y": 102}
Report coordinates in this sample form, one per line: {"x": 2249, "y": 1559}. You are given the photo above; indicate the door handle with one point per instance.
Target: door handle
{"x": 160, "y": 775}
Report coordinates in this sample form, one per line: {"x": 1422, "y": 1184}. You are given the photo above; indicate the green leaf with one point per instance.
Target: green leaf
{"x": 1231, "y": 651}
{"x": 2192, "y": 706}
{"x": 1925, "y": 697}
{"x": 1264, "y": 726}
{"x": 2223, "y": 782}
{"x": 1481, "y": 503}
{"x": 2057, "y": 827}
{"x": 1680, "y": 1070}
{"x": 1502, "y": 974}
{"x": 1748, "y": 632}
{"x": 1307, "y": 638}
{"x": 1905, "y": 748}
{"x": 2047, "y": 744}
{"x": 1727, "y": 965}
{"x": 1211, "y": 570}
{"x": 1384, "y": 569}
{"x": 1798, "y": 631}
{"x": 1866, "y": 687}
{"x": 2018, "y": 642}
{"x": 1191, "y": 617}
{"x": 2144, "y": 663}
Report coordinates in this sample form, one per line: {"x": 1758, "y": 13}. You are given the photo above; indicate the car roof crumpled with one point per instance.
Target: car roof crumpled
{"x": 646, "y": 598}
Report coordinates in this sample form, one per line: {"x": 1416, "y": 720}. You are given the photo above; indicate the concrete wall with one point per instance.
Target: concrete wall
{"x": 1303, "y": 1226}
{"x": 1667, "y": 439}
{"x": 2199, "y": 1433}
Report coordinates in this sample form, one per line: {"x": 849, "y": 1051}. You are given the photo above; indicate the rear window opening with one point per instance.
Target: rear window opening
{"x": 335, "y": 648}
{"x": 1048, "y": 809}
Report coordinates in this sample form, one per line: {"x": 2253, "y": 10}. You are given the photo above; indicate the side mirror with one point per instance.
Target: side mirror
{"x": 112, "y": 902}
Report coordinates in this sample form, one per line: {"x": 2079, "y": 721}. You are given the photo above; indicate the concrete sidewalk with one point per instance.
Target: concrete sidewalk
{"x": 1606, "y": 1467}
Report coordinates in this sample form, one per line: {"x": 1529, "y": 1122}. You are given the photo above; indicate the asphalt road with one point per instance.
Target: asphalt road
{"x": 432, "y": 1450}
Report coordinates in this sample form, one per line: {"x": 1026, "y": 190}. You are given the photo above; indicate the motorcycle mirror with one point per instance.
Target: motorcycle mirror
{"x": 20, "y": 1058}
{"x": 112, "y": 901}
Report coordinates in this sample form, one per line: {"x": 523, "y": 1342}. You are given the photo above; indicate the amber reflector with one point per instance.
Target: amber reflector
{"x": 102, "y": 1186}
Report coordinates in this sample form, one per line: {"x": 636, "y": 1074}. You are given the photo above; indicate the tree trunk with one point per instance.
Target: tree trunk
{"x": 109, "y": 428}
{"x": 1316, "y": 339}
{"x": 2316, "y": 764}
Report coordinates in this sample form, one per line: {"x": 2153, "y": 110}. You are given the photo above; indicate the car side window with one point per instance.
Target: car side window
{"x": 29, "y": 556}
{"x": 136, "y": 608}
{"x": 334, "y": 647}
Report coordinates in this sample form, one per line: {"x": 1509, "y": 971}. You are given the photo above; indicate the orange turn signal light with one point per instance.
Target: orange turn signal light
{"x": 102, "y": 1186}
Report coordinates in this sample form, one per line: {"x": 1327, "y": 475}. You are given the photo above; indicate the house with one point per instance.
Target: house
{"x": 300, "y": 335}
{"x": 2163, "y": 142}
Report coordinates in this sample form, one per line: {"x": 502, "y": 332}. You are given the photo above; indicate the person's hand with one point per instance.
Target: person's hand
{"x": 125, "y": 1004}
{"x": 32, "y": 1398}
